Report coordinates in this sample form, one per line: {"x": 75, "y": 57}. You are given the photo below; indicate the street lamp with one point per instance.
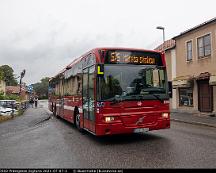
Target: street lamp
{"x": 162, "y": 28}
{"x": 22, "y": 74}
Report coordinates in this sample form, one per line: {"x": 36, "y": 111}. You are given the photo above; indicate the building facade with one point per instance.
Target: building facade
{"x": 170, "y": 54}
{"x": 195, "y": 81}
{"x": 191, "y": 66}
{"x": 15, "y": 90}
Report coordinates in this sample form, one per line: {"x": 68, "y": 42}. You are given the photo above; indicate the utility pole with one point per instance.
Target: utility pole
{"x": 22, "y": 74}
{"x": 162, "y": 28}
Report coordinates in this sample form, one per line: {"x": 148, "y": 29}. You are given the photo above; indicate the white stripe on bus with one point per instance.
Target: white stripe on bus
{"x": 69, "y": 107}
{"x": 72, "y": 108}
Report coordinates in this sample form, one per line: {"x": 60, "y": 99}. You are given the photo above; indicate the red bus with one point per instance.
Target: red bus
{"x": 113, "y": 91}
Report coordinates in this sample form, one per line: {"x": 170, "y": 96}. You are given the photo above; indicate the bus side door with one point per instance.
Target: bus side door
{"x": 89, "y": 98}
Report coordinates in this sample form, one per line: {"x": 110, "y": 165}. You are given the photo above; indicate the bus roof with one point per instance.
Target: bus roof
{"x": 124, "y": 48}
{"x": 95, "y": 50}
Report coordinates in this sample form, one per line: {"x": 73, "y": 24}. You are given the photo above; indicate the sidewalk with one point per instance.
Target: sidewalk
{"x": 30, "y": 118}
{"x": 193, "y": 118}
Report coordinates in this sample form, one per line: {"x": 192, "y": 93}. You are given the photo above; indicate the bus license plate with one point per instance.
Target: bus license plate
{"x": 141, "y": 130}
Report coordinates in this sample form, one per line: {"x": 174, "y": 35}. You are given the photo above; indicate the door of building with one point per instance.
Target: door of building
{"x": 205, "y": 98}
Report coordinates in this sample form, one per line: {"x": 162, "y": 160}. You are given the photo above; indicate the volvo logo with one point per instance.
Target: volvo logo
{"x": 139, "y": 103}
{"x": 140, "y": 120}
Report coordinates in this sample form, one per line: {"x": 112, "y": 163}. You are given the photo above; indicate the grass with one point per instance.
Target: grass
{"x": 5, "y": 118}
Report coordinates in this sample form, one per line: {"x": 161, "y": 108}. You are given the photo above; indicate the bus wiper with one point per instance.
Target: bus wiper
{"x": 157, "y": 97}
{"x": 116, "y": 99}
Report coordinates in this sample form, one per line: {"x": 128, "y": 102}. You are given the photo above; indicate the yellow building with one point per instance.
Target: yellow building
{"x": 192, "y": 69}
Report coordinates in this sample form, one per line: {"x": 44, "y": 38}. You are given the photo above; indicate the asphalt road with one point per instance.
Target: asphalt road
{"x": 54, "y": 143}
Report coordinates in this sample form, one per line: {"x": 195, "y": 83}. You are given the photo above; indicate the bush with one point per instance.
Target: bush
{"x": 20, "y": 112}
{"x": 12, "y": 97}
{"x": 2, "y": 96}
{"x": 43, "y": 97}
{"x": 9, "y": 97}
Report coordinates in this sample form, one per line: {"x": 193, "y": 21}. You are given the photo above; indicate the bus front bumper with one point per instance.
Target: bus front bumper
{"x": 119, "y": 128}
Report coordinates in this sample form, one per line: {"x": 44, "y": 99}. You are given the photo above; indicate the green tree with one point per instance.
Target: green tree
{"x": 2, "y": 97}
{"x": 41, "y": 88}
{"x": 1, "y": 74}
{"x": 8, "y": 75}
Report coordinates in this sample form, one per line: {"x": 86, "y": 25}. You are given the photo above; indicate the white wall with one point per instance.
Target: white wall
{"x": 214, "y": 99}
{"x": 173, "y": 62}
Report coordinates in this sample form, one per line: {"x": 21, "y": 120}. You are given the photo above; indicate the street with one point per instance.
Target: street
{"x": 55, "y": 143}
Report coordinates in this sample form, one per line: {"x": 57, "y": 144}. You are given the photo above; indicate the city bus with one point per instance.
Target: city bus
{"x": 109, "y": 91}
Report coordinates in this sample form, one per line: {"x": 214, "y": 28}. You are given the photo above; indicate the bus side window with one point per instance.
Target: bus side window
{"x": 79, "y": 89}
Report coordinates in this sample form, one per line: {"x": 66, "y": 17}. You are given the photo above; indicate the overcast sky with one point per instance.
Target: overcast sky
{"x": 43, "y": 36}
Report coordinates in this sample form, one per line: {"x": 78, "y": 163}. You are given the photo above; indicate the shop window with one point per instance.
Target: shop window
{"x": 185, "y": 97}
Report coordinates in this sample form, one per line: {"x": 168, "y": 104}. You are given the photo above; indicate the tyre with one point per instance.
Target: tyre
{"x": 54, "y": 110}
{"x": 77, "y": 123}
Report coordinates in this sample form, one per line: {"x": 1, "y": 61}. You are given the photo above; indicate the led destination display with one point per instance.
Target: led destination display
{"x": 134, "y": 57}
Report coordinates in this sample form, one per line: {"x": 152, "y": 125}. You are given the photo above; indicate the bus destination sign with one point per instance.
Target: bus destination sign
{"x": 134, "y": 57}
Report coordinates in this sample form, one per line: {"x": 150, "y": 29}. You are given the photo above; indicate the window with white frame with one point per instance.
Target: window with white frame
{"x": 204, "y": 46}
{"x": 189, "y": 50}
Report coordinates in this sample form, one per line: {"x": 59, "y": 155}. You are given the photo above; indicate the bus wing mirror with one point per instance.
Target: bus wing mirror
{"x": 170, "y": 89}
{"x": 100, "y": 70}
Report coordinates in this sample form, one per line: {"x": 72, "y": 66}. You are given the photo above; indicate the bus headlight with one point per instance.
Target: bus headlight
{"x": 109, "y": 119}
{"x": 166, "y": 101}
{"x": 165, "y": 115}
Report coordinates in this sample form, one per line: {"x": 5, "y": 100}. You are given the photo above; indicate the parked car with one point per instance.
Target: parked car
{"x": 8, "y": 103}
{"x": 5, "y": 111}
{"x": 8, "y": 107}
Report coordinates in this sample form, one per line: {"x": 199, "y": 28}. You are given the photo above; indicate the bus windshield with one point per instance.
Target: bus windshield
{"x": 132, "y": 82}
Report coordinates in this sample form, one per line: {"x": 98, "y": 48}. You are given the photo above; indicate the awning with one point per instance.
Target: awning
{"x": 203, "y": 76}
{"x": 182, "y": 81}
{"x": 212, "y": 80}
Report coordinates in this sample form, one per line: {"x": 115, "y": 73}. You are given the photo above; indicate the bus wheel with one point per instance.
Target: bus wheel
{"x": 78, "y": 122}
{"x": 54, "y": 110}
{"x": 57, "y": 116}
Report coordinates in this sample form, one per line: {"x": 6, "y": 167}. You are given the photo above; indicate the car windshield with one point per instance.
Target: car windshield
{"x": 132, "y": 82}
{"x": 6, "y": 103}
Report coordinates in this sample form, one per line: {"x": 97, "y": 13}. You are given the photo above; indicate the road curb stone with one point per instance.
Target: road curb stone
{"x": 193, "y": 122}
